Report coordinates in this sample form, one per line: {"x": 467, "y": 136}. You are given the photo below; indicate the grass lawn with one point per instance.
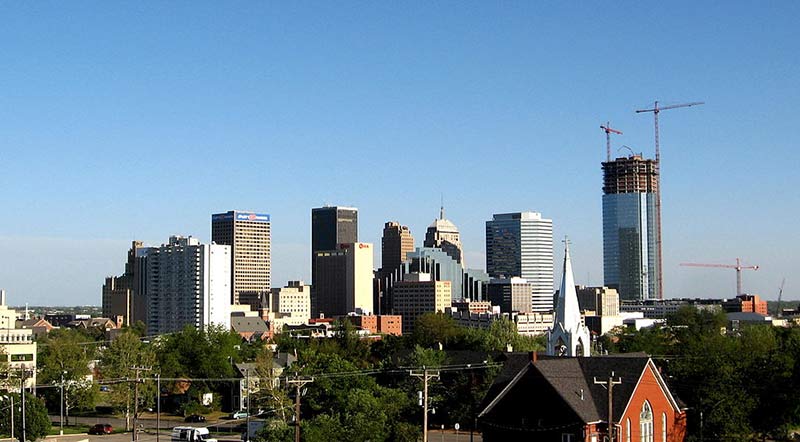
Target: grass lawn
{"x": 68, "y": 429}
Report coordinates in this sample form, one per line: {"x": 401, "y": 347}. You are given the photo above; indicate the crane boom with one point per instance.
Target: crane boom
{"x": 738, "y": 267}
{"x": 608, "y": 130}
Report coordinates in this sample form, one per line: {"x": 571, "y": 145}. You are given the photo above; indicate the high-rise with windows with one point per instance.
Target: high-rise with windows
{"x": 249, "y": 235}
{"x": 443, "y": 234}
{"x": 187, "y": 283}
{"x": 331, "y": 226}
{"x": 631, "y": 237}
{"x": 520, "y": 244}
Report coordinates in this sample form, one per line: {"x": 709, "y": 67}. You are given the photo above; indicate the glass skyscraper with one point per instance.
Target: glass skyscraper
{"x": 521, "y": 245}
{"x": 631, "y": 237}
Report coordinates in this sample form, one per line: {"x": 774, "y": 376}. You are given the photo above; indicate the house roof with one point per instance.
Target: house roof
{"x": 281, "y": 360}
{"x": 573, "y": 381}
{"x": 245, "y": 324}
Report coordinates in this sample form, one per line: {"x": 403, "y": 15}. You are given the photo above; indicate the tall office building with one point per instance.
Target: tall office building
{"x": 443, "y": 234}
{"x": 119, "y": 292}
{"x": 631, "y": 237}
{"x": 249, "y": 235}
{"x": 331, "y": 226}
{"x": 396, "y": 244}
{"x": 343, "y": 280}
{"x": 188, "y": 283}
{"x": 520, "y": 245}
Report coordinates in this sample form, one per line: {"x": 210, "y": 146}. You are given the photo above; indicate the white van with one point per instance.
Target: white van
{"x": 191, "y": 434}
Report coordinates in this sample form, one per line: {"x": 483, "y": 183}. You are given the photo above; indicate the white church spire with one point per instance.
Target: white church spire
{"x": 567, "y": 310}
{"x": 569, "y": 336}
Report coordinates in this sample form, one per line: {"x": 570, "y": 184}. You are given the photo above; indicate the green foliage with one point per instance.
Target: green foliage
{"x": 742, "y": 382}
{"x": 36, "y": 418}
{"x": 199, "y": 354}
{"x": 434, "y": 328}
{"x": 67, "y": 353}
{"x": 116, "y": 363}
{"x": 275, "y": 431}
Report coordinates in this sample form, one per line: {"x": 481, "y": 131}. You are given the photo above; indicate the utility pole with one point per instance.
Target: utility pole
{"x": 158, "y": 406}
{"x": 22, "y": 391}
{"x": 425, "y": 374}
{"x": 247, "y": 417}
{"x": 609, "y": 384}
{"x": 61, "y": 419}
{"x": 299, "y": 382}
{"x": 137, "y": 381}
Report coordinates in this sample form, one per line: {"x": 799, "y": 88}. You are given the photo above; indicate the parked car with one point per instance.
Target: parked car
{"x": 241, "y": 414}
{"x": 101, "y": 429}
{"x": 195, "y": 418}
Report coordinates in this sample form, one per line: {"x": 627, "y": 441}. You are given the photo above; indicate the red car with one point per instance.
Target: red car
{"x": 101, "y": 429}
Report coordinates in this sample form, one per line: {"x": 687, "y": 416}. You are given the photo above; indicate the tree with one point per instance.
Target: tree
{"x": 117, "y": 365}
{"x": 270, "y": 396}
{"x": 435, "y": 328}
{"x": 64, "y": 356}
{"x": 37, "y": 423}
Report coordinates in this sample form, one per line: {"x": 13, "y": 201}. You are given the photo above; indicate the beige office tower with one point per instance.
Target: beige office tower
{"x": 343, "y": 280}
{"x": 443, "y": 234}
{"x": 396, "y": 244}
{"x": 418, "y": 294}
{"x": 249, "y": 235}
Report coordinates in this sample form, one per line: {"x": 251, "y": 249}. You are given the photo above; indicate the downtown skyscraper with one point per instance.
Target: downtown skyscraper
{"x": 249, "y": 235}
{"x": 331, "y": 226}
{"x": 631, "y": 233}
{"x": 520, "y": 245}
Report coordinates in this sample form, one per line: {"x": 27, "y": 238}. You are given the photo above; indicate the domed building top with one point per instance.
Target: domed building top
{"x": 443, "y": 234}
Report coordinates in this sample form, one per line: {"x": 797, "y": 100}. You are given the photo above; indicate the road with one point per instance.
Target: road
{"x": 150, "y": 435}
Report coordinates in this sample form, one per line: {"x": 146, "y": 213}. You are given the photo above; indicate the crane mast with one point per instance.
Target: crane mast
{"x": 608, "y": 130}
{"x": 656, "y": 109}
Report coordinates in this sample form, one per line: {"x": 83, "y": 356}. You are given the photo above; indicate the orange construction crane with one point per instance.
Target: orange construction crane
{"x": 655, "y": 110}
{"x": 608, "y": 130}
{"x": 738, "y": 266}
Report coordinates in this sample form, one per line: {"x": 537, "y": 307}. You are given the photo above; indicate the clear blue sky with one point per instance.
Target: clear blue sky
{"x": 137, "y": 120}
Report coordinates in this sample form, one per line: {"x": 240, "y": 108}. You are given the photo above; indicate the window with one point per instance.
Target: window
{"x": 663, "y": 427}
{"x": 565, "y": 437}
{"x": 628, "y": 430}
{"x": 646, "y": 423}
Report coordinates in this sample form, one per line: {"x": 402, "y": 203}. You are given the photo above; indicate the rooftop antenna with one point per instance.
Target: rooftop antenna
{"x": 441, "y": 207}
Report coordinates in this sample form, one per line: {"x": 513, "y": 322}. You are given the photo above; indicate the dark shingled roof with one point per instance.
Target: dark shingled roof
{"x": 244, "y": 324}
{"x": 573, "y": 380}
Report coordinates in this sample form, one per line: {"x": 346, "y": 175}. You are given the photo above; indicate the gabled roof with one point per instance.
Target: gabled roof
{"x": 244, "y": 324}
{"x": 573, "y": 381}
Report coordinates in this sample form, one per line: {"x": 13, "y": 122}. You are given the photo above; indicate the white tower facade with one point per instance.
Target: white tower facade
{"x": 569, "y": 335}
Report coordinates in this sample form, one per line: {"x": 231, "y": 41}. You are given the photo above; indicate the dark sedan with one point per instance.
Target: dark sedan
{"x": 195, "y": 418}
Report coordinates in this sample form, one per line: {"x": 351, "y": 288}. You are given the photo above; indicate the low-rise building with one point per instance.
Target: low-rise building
{"x": 528, "y": 324}
{"x": 746, "y": 304}
{"x": 418, "y": 294}
{"x": 17, "y": 344}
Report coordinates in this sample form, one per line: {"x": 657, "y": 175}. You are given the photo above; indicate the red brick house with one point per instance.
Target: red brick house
{"x": 566, "y": 400}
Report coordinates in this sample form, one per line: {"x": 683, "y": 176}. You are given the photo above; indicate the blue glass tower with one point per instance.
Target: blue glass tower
{"x": 631, "y": 234}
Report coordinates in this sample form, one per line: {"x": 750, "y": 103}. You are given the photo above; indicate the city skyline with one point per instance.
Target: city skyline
{"x": 113, "y": 118}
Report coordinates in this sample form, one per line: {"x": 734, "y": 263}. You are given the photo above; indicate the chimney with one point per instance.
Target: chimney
{"x": 534, "y": 356}
{"x": 2, "y": 297}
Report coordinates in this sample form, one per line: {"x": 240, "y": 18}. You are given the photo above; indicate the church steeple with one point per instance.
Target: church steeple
{"x": 567, "y": 310}
{"x": 569, "y": 336}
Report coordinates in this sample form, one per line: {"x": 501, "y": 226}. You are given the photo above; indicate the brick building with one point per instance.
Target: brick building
{"x": 746, "y": 304}
{"x": 557, "y": 399}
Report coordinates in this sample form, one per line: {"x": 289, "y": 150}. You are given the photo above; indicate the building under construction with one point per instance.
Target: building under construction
{"x": 631, "y": 227}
